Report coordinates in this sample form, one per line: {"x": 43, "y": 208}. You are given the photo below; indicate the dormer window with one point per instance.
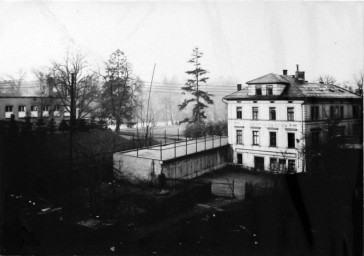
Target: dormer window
{"x": 258, "y": 90}
{"x": 269, "y": 89}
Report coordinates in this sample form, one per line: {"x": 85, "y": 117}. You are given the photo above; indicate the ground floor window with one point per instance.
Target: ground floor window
{"x": 239, "y": 158}
{"x": 259, "y": 163}
{"x": 291, "y": 165}
{"x": 282, "y": 165}
{"x": 273, "y": 165}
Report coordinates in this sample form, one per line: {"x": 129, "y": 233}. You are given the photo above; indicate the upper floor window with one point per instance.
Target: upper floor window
{"x": 258, "y": 90}
{"x": 45, "y": 108}
{"x": 272, "y": 113}
{"x": 239, "y": 137}
{"x": 239, "y": 113}
{"x": 290, "y": 114}
{"x": 21, "y": 108}
{"x": 355, "y": 111}
{"x": 269, "y": 89}
{"x": 291, "y": 140}
{"x": 8, "y": 108}
{"x": 33, "y": 108}
{"x": 272, "y": 139}
{"x": 314, "y": 113}
{"x": 255, "y": 113}
{"x": 341, "y": 111}
{"x": 56, "y": 107}
{"x": 255, "y": 137}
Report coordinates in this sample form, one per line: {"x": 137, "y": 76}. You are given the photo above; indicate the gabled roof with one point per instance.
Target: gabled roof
{"x": 293, "y": 90}
{"x": 269, "y": 79}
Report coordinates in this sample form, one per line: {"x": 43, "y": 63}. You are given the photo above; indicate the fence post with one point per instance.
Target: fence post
{"x": 161, "y": 149}
{"x": 174, "y": 148}
{"x": 196, "y": 145}
{"x": 205, "y": 141}
{"x": 133, "y": 141}
{"x": 186, "y": 146}
{"x": 165, "y": 137}
{"x": 178, "y": 134}
{"x": 220, "y": 140}
{"x": 137, "y": 152}
{"x": 150, "y": 140}
{"x": 212, "y": 141}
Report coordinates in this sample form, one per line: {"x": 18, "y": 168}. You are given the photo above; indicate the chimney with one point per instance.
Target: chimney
{"x": 50, "y": 84}
{"x": 239, "y": 87}
{"x": 300, "y": 76}
{"x": 285, "y": 72}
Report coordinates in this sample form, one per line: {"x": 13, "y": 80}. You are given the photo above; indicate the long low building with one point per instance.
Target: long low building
{"x": 33, "y": 106}
{"x": 180, "y": 160}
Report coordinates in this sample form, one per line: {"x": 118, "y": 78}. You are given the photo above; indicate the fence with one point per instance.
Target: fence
{"x": 172, "y": 150}
{"x": 224, "y": 189}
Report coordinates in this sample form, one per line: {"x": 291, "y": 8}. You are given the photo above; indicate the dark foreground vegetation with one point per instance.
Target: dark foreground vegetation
{"x": 46, "y": 209}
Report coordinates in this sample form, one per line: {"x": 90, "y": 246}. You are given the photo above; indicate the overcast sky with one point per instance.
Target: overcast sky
{"x": 240, "y": 40}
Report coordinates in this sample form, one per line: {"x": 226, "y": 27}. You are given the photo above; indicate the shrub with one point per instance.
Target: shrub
{"x": 51, "y": 127}
{"x": 63, "y": 126}
{"x": 40, "y": 126}
{"x": 195, "y": 130}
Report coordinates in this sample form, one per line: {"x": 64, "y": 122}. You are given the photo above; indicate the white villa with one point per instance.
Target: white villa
{"x": 275, "y": 116}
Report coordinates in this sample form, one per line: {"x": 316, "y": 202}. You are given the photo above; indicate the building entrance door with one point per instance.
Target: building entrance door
{"x": 259, "y": 163}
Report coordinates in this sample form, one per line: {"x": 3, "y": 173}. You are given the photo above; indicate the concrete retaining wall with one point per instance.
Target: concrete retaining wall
{"x": 196, "y": 164}
{"x": 136, "y": 168}
{"x": 187, "y": 167}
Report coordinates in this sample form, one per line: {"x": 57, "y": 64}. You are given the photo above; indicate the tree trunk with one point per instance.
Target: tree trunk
{"x": 117, "y": 127}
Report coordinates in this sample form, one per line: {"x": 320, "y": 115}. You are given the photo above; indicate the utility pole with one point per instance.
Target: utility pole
{"x": 150, "y": 88}
{"x": 72, "y": 116}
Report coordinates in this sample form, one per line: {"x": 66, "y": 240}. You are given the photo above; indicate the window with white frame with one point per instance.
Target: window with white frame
{"x": 239, "y": 136}
{"x": 258, "y": 90}
{"x": 255, "y": 137}
{"x": 239, "y": 112}
{"x": 272, "y": 113}
{"x": 21, "y": 111}
{"x": 8, "y": 111}
{"x": 290, "y": 114}
{"x": 255, "y": 113}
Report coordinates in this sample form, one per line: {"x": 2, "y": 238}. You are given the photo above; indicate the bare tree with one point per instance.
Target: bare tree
{"x": 15, "y": 81}
{"x": 359, "y": 80}
{"x": 86, "y": 88}
{"x": 327, "y": 79}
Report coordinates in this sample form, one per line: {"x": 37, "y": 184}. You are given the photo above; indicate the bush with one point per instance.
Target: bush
{"x": 218, "y": 128}
{"x": 195, "y": 130}
{"x": 211, "y": 128}
{"x": 81, "y": 125}
{"x": 63, "y": 126}
{"x": 40, "y": 126}
{"x": 51, "y": 127}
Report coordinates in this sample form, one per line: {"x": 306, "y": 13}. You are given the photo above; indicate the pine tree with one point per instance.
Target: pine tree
{"x": 40, "y": 126}
{"x": 193, "y": 86}
{"x": 27, "y": 127}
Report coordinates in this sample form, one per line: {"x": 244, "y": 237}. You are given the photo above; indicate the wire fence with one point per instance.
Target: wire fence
{"x": 165, "y": 151}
